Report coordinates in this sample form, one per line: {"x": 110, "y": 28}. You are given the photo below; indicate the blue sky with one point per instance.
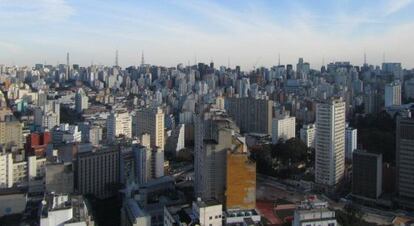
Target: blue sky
{"x": 171, "y": 32}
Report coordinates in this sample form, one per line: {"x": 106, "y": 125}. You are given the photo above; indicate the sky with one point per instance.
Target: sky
{"x": 231, "y": 32}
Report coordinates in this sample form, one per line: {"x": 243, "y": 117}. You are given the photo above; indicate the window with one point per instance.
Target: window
{"x": 210, "y": 217}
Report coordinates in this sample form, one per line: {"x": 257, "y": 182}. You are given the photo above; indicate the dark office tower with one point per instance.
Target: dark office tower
{"x": 212, "y": 65}
{"x": 366, "y": 174}
{"x": 405, "y": 161}
{"x": 289, "y": 72}
{"x": 97, "y": 172}
{"x": 251, "y": 115}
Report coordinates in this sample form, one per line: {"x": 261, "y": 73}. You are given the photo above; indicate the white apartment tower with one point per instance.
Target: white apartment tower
{"x": 6, "y": 170}
{"x": 330, "y": 142}
{"x": 81, "y": 101}
{"x": 393, "y": 94}
{"x": 118, "y": 123}
{"x": 307, "y": 135}
{"x": 283, "y": 128}
{"x": 350, "y": 142}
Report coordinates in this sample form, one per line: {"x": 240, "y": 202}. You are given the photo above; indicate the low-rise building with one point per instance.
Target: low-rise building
{"x": 313, "y": 211}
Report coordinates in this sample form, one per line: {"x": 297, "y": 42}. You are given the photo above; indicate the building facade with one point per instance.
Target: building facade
{"x": 251, "y": 115}
{"x": 366, "y": 174}
{"x": 97, "y": 172}
{"x": 404, "y": 161}
{"x": 151, "y": 121}
{"x": 393, "y": 94}
{"x": 330, "y": 142}
{"x": 307, "y": 135}
{"x": 283, "y": 128}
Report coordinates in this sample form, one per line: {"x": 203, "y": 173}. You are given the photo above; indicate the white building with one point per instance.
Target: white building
{"x": 307, "y": 135}
{"x": 350, "y": 142}
{"x": 283, "y": 128}
{"x": 314, "y": 212}
{"x": 66, "y": 133}
{"x": 393, "y": 94}
{"x": 242, "y": 217}
{"x": 6, "y": 170}
{"x": 118, "y": 123}
{"x": 62, "y": 210}
{"x": 143, "y": 156}
{"x": 21, "y": 172}
{"x": 330, "y": 142}
{"x": 209, "y": 213}
{"x": 48, "y": 115}
{"x": 81, "y": 101}
{"x": 176, "y": 141}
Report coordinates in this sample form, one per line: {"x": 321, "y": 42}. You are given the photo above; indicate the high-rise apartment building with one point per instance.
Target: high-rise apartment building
{"x": 307, "y": 135}
{"x": 6, "y": 170}
{"x": 213, "y": 137}
{"x": 118, "y": 123}
{"x": 350, "y": 142}
{"x": 404, "y": 160}
{"x": 393, "y": 94}
{"x": 81, "y": 101}
{"x": 251, "y": 115}
{"x": 151, "y": 121}
{"x": 330, "y": 142}
{"x": 284, "y": 128}
{"x": 48, "y": 115}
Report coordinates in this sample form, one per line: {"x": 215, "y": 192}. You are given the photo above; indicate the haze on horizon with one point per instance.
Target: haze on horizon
{"x": 240, "y": 32}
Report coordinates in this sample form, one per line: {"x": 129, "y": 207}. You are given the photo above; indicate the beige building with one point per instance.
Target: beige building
{"x": 151, "y": 121}
{"x": 11, "y": 134}
{"x": 240, "y": 177}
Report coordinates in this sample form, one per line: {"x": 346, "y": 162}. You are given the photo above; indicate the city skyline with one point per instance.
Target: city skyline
{"x": 231, "y": 33}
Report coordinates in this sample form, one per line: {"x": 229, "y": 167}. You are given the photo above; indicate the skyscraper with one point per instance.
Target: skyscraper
{"x": 393, "y": 94}
{"x": 97, "y": 172}
{"x": 307, "y": 135}
{"x": 330, "y": 142}
{"x": 366, "y": 174}
{"x": 404, "y": 160}
{"x": 118, "y": 123}
{"x": 251, "y": 115}
{"x": 213, "y": 138}
{"x": 284, "y": 128}
{"x": 350, "y": 142}
{"x": 151, "y": 121}
{"x": 81, "y": 101}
